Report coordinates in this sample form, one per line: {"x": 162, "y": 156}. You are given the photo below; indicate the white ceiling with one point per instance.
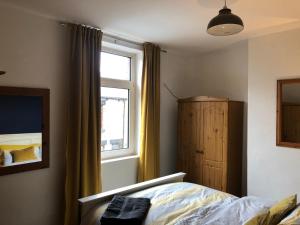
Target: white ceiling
{"x": 174, "y": 24}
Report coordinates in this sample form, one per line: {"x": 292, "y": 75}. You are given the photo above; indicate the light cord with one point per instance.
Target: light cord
{"x": 170, "y": 91}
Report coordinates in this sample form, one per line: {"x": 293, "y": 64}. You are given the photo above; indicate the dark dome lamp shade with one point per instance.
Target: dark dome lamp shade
{"x": 225, "y": 23}
{"x": 2, "y": 73}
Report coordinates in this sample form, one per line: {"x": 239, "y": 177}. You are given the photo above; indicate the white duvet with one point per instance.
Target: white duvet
{"x": 190, "y": 204}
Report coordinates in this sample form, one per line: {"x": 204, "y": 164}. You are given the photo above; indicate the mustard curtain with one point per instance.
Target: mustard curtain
{"x": 150, "y": 114}
{"x": 83, "y": 138}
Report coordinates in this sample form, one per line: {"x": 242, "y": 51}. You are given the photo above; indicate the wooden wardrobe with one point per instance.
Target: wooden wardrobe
{"x": 210, "y": 142}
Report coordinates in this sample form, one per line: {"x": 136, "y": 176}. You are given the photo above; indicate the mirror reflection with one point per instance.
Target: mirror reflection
{"x": 20, "y": 130}
{"x": 290, "y": 106}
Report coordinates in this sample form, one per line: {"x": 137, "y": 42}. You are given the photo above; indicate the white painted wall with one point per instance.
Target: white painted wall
{"x": 272, "y": 171}
{"x": 174, "y": 71}
{"x": 34, "y": 52}
{"x": 119, "y": 173}
{"x": 222, "y": 73}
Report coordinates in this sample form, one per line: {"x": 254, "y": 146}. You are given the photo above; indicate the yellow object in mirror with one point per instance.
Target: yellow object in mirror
{"x": 23, "y": 155}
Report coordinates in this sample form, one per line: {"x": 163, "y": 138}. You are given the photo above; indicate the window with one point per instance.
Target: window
{"x": 117, "y": 103}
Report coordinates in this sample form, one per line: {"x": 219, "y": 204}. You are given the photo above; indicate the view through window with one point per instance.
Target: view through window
{"x": 116, "y": 102}
{"x": 115, "y": 122}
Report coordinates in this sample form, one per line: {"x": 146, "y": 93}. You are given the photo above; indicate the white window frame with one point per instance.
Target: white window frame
{"x": 131, "y": 86}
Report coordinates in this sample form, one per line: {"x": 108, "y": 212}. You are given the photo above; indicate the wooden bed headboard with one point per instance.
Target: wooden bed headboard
{"x": 90, "y": 201}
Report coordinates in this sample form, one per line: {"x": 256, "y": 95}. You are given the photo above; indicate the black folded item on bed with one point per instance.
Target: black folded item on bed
{"x": 126, "y": 211}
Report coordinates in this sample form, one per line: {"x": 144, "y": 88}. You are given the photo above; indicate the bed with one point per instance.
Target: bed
{"x": 10, "y": 143}
{"x": 175, "y": 202}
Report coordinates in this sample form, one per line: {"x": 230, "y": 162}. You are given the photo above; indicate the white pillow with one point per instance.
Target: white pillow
{"x": 293, "y": 218}
{"x": 38, "y": 152}
{"x": 8, "y": 159}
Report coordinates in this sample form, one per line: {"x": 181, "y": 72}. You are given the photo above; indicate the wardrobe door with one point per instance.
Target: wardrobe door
{"x": 214, "y": 144}
{"x": 188, "y": 136}
{"x": 199, "y": 150}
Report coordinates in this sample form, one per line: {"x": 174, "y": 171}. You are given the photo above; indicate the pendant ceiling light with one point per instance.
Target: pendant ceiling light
{"x": 225, "y": 23}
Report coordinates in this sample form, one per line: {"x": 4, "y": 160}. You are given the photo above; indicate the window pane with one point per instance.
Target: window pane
{"x": 114, "y": 119}
{"x": 115, "y": 66}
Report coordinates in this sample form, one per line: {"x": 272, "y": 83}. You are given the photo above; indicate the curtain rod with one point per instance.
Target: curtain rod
{"x": 111, "y": 36}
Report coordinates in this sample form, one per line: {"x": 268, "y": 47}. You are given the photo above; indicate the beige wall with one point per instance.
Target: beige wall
{"x": 34, "y": 52}
{"x": 272, "y": 171}
{"x": 173, "y": 73}
{"x": 222, "y": 73}
{"x": 119, "y": 173}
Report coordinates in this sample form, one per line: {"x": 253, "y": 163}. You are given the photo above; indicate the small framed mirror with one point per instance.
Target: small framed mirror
{"x": 24, "y": 129}
{"x": 288, "y": 113}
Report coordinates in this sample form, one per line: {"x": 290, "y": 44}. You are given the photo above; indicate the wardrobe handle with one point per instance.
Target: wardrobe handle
{"x": 199, "y": 152}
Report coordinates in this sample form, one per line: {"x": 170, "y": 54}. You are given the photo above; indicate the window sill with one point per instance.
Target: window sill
{"x": 104, "y": 161}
